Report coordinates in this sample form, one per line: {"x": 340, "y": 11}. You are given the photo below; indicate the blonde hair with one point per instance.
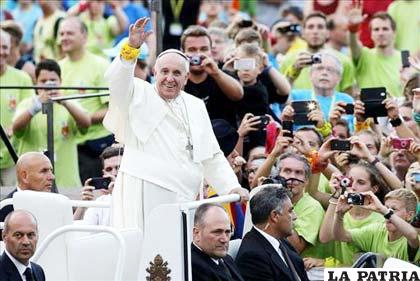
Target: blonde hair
{"x": 406, "y": 196}
{"x": 252, "y": 50}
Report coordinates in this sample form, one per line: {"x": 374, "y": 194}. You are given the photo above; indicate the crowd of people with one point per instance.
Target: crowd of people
{"x": 320, "y": 105}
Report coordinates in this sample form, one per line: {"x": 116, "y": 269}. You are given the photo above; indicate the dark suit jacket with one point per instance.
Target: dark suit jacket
{"x": 205, "y": 269}
{"x": 258, "y": 260}
{"x": 9, "y": 272}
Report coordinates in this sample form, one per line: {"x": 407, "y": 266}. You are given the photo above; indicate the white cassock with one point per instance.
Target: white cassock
{"x": 157, "y": 168}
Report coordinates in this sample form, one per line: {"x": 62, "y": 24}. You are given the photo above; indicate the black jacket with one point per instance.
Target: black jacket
{"x": 257, "y": 260}
{"x": 9, "y": 272}
{"x": 205, "y": 269}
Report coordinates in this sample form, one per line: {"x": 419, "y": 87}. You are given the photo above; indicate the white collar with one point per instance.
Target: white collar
{"x": 19, "y": 266}
{"x": 272, "y": 240}
{"x": 215, "y": 260}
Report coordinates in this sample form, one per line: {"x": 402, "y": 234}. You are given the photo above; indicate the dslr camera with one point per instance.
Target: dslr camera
{"x": 355, "y": 199}
{"x": 345, "y": 182}
{"x": 195, "y": 60}
{"x": 316, "y": 58}
{"x": 275, "y": 180}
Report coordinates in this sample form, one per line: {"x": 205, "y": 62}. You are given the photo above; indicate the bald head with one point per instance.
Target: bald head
{"x": 34, "y": 172}
{"x": 20, "y": 235}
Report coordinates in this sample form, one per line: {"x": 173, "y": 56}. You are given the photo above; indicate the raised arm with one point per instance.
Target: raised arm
{"x": 355, "y": 20}
{"x": 338, "y": 231}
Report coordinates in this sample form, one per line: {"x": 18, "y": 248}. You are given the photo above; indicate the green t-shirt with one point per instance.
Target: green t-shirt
{"x": 324, "y": 184}
{"x": 376, "y": 70}
{"x": 100, "y": 35}
{"x": 34, "y": 138}
{"x": 407, "y": 17}
{"x": 309, "y": 214}
{"x": 344, "y": 252}
{"x": 9, "y": 99}
{"x": 45, "y": 43}
{"x": 374, "y": 238}
{"x": 88, "y": 72}
{"x": 303, "y": 81}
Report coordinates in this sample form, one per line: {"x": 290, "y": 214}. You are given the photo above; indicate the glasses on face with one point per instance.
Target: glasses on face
{"x": 111, "y": 168}
{"x": 326, "y": 68}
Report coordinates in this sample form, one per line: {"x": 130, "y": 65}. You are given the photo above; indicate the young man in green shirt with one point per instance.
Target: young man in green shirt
{"x": 30, "y": 125}
{"x": 9, "y": 99}
{"x": 394, "y": 238}
{"x": 81, "y": 68}
{"x": 380, "y": 66}
{"x": 296, "y": 65}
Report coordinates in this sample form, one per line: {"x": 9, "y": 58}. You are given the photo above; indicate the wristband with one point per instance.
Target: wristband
{"x": 36, "y": 106}
{"x": 396, "y": 122}
{"x": 389, "y": 214}
{"x": 317, "y": 166}
{"x": 129, "y": 53}
{"x": 353, "y": 28}
{"x": 292, "y": 72}
{"x": 374, "y": 162}
{"x": 83, "y": 6}
{"x": 325, "y": 130}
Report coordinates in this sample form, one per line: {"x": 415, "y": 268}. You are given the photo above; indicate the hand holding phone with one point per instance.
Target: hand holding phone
{"x": 340, "y": 145}
{"x": 373, "y": 101}
{"x": 404, "y": 58}
{"x": 301, "y": 109}
{"x": 100, "y": 182}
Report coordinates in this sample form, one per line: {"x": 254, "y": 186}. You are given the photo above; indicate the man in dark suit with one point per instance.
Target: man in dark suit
{"x": 211, "y": 235}
{"x": 20, "y": 236}
{"x": 265, "y": 254}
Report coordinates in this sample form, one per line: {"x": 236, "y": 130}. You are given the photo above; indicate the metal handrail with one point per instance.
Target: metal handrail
{"x": 87, "y": 228}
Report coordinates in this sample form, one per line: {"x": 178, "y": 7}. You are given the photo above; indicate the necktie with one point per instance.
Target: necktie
{"x": 289, "y": 262}
{"x": 225, "y": 269}
{"x": 28, "y": 274}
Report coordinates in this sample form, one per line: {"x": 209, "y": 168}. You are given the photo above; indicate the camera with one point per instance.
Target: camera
{"x": 245, "y": 23}
{"x": 275, "y": 180}
{"x": 355, "y": 199}
{"x": 292, "y": 28}
{"x": 340, "y": 145}
{"x": 345, "y": 182}
{"x": 264, "y": 120}
{"x": 398, "y": 143}
{"x": 195, "y": 60}
{"x": 349, "y": 108}
{"x": 316, "y": 58}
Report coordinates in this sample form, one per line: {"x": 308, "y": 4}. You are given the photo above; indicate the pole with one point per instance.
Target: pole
{"x": 48, "y": 108}
{"x": 8, "y": 145}
{"x": 156, "y": 7}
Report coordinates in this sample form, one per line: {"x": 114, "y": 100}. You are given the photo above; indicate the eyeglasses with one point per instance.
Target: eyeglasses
{"x": 327, "y": 68}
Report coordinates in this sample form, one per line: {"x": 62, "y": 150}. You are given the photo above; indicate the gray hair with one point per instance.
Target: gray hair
{"x": 298, "y": 157}
{"x": 336, "y": 60}
{"x": 268, "y": 199}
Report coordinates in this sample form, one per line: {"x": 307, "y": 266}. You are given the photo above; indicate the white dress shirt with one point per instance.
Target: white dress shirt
{"x": 19, "y": 266}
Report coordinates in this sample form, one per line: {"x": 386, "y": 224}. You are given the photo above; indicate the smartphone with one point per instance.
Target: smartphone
{"x": 340, "y": 145}
{"x": 100, "y": 183}
{"x": 373, "y": 98}
{"x": 244, "y": 64}
{"x": 288, "y": 126}
{"x": 399, "y": 143}
{"x": 404, "y": 58}
{"x": 349, "y": 108}
{"x": 302, "y": 108}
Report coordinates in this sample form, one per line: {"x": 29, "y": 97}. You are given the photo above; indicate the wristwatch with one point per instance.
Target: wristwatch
{"x": 375, "y": 161}
{"x": 395, "y": 122}
{"x": 389, "y": 214}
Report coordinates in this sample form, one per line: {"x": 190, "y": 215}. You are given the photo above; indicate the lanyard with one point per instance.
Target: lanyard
{"x": 176, "y": 7}
{"x": 331, "y": 105}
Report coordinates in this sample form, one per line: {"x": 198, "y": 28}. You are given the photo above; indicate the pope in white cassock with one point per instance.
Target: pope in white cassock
{"x": 169, "y": 143}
